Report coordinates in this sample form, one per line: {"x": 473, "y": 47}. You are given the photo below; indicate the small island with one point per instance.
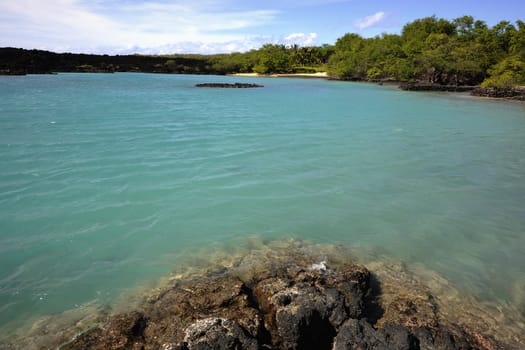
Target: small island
{"x": 229, "y": 86}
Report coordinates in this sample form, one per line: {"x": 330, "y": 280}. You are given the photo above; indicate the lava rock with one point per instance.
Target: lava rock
{"x": 224, "y": 297}
{"x": 123, "y": 331}
{"x": 218, "y": 334}
{"x": 360, "y": 335}
{"x": 289, "y": 306}
{"x": 512, "y": 93}
{"x": 303, "y": 311}
{"x": 229, "y": 86}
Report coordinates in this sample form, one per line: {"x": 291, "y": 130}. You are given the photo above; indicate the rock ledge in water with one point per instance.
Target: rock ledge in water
{"x": 511, "y": 93}
{"x": 293, "y": 306}
{"x": 435, "y": 87}
{"x": 227, "y": 85}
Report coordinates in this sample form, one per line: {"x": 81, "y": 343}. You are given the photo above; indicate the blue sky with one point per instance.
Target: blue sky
{"x": 212, "y": 26}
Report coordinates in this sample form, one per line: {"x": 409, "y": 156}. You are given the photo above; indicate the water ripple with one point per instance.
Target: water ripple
{"x": 103, "y": 177}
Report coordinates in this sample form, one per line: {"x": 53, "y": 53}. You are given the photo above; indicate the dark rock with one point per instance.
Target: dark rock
{"x": 124, "y": 331}
{"x": 444, "y": 338}
{"x": 20, "y": 71}
{"x": 304, "y": 311}
{"x": 216, "y": 297}
{"x": 360, "y": 335}
{"x": 218, "y": 334}
{"x": 289, "y": 306}
{"x": 512, "y": 93}
{"x": 226, "y": 85}
{"x": 398, "y": 337}
{"x": 435, "y": 87}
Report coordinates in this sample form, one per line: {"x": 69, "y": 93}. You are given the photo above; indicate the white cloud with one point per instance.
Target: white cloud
{"x": 190, "y": 18}
{"x": 200, "y": 47}
{"x": 54, "y": 23}
{"x": 301, "y": 39}
{"x": 370, "y": 20}
{"x": 125, "y": 27}
{"x": 241, "y": 44}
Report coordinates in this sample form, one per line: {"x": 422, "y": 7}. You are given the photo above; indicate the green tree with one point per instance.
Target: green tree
{"x": 517, "y": 41}
{"x": 435, "y": 58}
{"x": 509, "y": 72}
{"x": 465, "y": 64}
{"x": 415, "y": 33}
{"x": 386, "y": 54}
{"x": 273, "y": 58}
{"x": 421, "y": 47}
{"x": 348, "y": 61}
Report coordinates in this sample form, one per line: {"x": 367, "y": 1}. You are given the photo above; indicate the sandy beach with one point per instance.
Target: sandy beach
{"x": 323, "y": 75}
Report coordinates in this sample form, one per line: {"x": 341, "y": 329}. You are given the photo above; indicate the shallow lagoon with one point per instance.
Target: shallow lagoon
{"x": 108, "y": 182}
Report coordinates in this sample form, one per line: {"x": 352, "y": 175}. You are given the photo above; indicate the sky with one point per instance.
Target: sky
{"x": 213, "y": 26}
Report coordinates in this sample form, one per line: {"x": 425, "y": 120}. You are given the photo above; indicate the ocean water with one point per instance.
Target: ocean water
{"x": 109, "y": 181}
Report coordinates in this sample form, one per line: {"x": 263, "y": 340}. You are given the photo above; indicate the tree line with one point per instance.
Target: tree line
{"x": 463, "y": 51}
{"x": 431, "y": 50}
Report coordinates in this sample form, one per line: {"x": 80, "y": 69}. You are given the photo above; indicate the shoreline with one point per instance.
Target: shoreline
{"x": 318, "y": 75}
{"x": 516, "y": 93}
{"x": 391, "y": 287}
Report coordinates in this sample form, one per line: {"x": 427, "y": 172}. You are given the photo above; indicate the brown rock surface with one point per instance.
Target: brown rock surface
{"x": 290, "y": 307}
{"x": 286, "y": 297}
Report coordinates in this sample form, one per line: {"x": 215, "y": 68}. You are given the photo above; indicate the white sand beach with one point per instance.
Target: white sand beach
{"x": 284, "y": 75}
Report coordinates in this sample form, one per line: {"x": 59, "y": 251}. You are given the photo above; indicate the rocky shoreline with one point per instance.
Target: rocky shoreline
{"x": 516, "y": 93}
{"x": 287, "y": 295}
{"x": 293, "y": 307}
{"x": 283, "y": 294}
{"x": 510, "y": 93}
{"x": 435, "y": 87}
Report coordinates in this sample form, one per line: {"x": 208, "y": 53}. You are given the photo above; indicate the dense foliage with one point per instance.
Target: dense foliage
{"x": 430, "y": 50}
{"x": 19, "y": 61}
{"x": 436, "y": 51}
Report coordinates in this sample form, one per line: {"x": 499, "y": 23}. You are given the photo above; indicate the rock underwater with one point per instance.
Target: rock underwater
{"x": 297, "y": 305}
{"x": 286, "y": 295}
{"x": 229, "y": 86}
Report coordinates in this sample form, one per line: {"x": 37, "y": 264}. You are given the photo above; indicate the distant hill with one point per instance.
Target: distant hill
{"x": 15, "y": 61}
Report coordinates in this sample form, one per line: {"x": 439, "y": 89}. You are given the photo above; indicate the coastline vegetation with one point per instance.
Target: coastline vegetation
{"x": 431, "y": 50}
{"x": 437, "y": 51}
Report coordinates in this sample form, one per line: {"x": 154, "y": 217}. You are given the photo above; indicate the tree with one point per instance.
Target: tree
{"x": 348, "y": 61}
{"x": 517, "y": 41}
{"x": 465, "y": 28}
{"x": 507, "y": 73}
{"x": 414, "y": 34}
{"x": 465, "y": 65}
{"x": 435, "y": 58}
{"x": 273, "y": 59}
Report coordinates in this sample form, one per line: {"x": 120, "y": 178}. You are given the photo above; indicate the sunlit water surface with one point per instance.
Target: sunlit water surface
{"x": 108, "y": 182}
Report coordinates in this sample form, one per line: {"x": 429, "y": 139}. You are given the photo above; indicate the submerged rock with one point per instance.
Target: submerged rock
{"x": 294, "y": 304}
{"x": 435, "y": 87}
{"x": 511, "y": 93}
{"x": 227, "y": 85}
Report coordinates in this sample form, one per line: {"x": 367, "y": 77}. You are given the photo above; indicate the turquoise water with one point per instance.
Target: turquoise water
{"x": 105, "y": 180}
